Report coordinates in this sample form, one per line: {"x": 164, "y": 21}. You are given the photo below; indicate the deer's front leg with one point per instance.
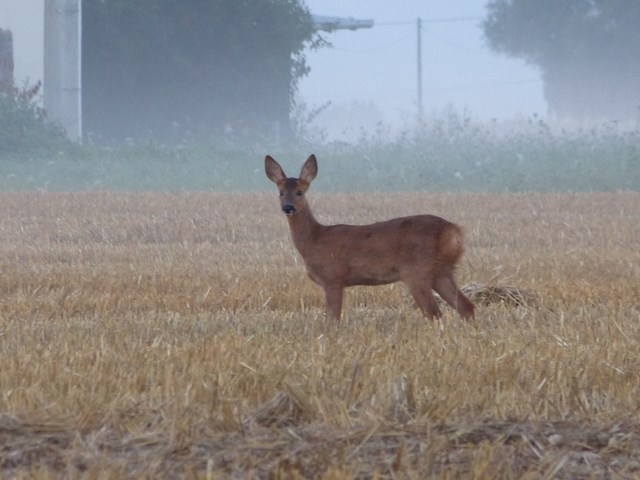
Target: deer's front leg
{"x": 334, "y": 303}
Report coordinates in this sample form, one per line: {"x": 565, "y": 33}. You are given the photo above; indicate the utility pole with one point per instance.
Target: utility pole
{"x": 419, "y": 27}
{"x": 62, "y": 64}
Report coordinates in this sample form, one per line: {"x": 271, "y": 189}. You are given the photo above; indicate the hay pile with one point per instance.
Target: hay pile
{"x": 485, "y": 294}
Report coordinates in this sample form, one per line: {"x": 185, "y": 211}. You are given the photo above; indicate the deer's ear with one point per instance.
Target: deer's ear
{"x": 309, "y": 169}
{"x": 274, "y": 170}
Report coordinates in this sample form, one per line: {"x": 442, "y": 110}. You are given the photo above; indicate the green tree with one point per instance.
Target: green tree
{"x": 588, "y": 51}
{"x": 24, "y": 126}
{"x": 164, "y": 69}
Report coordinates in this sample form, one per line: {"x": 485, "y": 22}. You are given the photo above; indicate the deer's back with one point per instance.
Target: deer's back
{"x": 382, "y": 252}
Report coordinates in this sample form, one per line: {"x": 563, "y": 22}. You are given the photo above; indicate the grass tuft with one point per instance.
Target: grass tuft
{"x": 483, "y": 294}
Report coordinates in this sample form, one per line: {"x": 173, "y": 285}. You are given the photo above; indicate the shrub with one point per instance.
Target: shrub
{"x": 24, "y": 126}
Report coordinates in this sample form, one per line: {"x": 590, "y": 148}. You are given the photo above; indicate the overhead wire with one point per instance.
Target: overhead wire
{"x": 428, "y": 32}
{"x": 428, "y": 20}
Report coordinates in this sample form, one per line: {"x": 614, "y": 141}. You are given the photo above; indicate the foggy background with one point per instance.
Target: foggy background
{"x": 192, "y": 95}
{"x": 370, "y": 75}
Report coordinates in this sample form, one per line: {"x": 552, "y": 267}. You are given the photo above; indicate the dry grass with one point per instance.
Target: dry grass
{"x": 176, "y": 336}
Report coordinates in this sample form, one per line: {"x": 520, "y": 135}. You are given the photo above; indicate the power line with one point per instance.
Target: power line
{"x": 448, "y": 43}
{"x": 376, "y": 48}
{"x": 482, "y": 85}
{"x": 428, "y": 20}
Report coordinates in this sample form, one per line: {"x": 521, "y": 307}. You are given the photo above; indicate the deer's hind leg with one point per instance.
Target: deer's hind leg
{"x": 446, "y": 287}
{"x": 420, "y": 287}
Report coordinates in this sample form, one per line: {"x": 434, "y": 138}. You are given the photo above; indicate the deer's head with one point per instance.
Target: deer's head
{"x": 292, "y": 190}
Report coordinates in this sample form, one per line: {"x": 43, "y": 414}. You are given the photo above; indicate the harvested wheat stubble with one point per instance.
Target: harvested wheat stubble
{"x": 556, "y": 449}
{"x": 170, "y": 336}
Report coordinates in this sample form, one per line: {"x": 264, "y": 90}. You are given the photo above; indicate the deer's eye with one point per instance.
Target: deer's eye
{"x": 299, "y": 193}
{"x": 281, "y": 193}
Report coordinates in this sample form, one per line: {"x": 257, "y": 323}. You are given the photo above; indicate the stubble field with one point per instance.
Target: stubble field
{"x": 157, "y": 335}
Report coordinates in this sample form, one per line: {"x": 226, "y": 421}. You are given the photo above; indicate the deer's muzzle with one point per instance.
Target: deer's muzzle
{"x": 288, "y": 209}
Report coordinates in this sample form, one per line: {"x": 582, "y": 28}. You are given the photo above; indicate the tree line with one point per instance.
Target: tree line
{"x": 168, "y": 70}
{"x": 588, "y": 52}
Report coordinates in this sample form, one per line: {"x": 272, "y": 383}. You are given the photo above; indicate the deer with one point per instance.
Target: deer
{"x": 421, "y": 250}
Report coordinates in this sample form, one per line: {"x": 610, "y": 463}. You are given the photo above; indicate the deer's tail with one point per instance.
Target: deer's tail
{"x": 451, "y": 245}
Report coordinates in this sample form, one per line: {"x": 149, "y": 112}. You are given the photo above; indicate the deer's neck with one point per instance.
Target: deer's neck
{"x": 305, "y": 229}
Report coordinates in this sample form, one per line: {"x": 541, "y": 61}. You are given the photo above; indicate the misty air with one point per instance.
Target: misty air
{"x": 445, "y": 283}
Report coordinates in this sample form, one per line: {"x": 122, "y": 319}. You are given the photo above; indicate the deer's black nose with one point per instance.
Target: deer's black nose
{"x": 288, "y": 209}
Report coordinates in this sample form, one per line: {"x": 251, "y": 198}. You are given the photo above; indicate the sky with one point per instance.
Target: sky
{"x": 371, "y": 74}
{"x": 27, "y": 37}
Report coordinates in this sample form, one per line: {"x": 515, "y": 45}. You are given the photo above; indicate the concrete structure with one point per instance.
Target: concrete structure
{"x": 63, "y": 64}
{"x": 6, "y": 61}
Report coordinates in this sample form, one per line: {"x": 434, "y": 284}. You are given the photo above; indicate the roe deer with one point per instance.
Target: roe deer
{"x": 420, "y": 251}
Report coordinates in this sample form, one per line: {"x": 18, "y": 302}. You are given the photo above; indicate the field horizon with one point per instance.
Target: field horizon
{"x": 175, "y": 335}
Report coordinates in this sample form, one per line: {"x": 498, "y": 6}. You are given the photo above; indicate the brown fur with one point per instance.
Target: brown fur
{"x": 420, "y": 250}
